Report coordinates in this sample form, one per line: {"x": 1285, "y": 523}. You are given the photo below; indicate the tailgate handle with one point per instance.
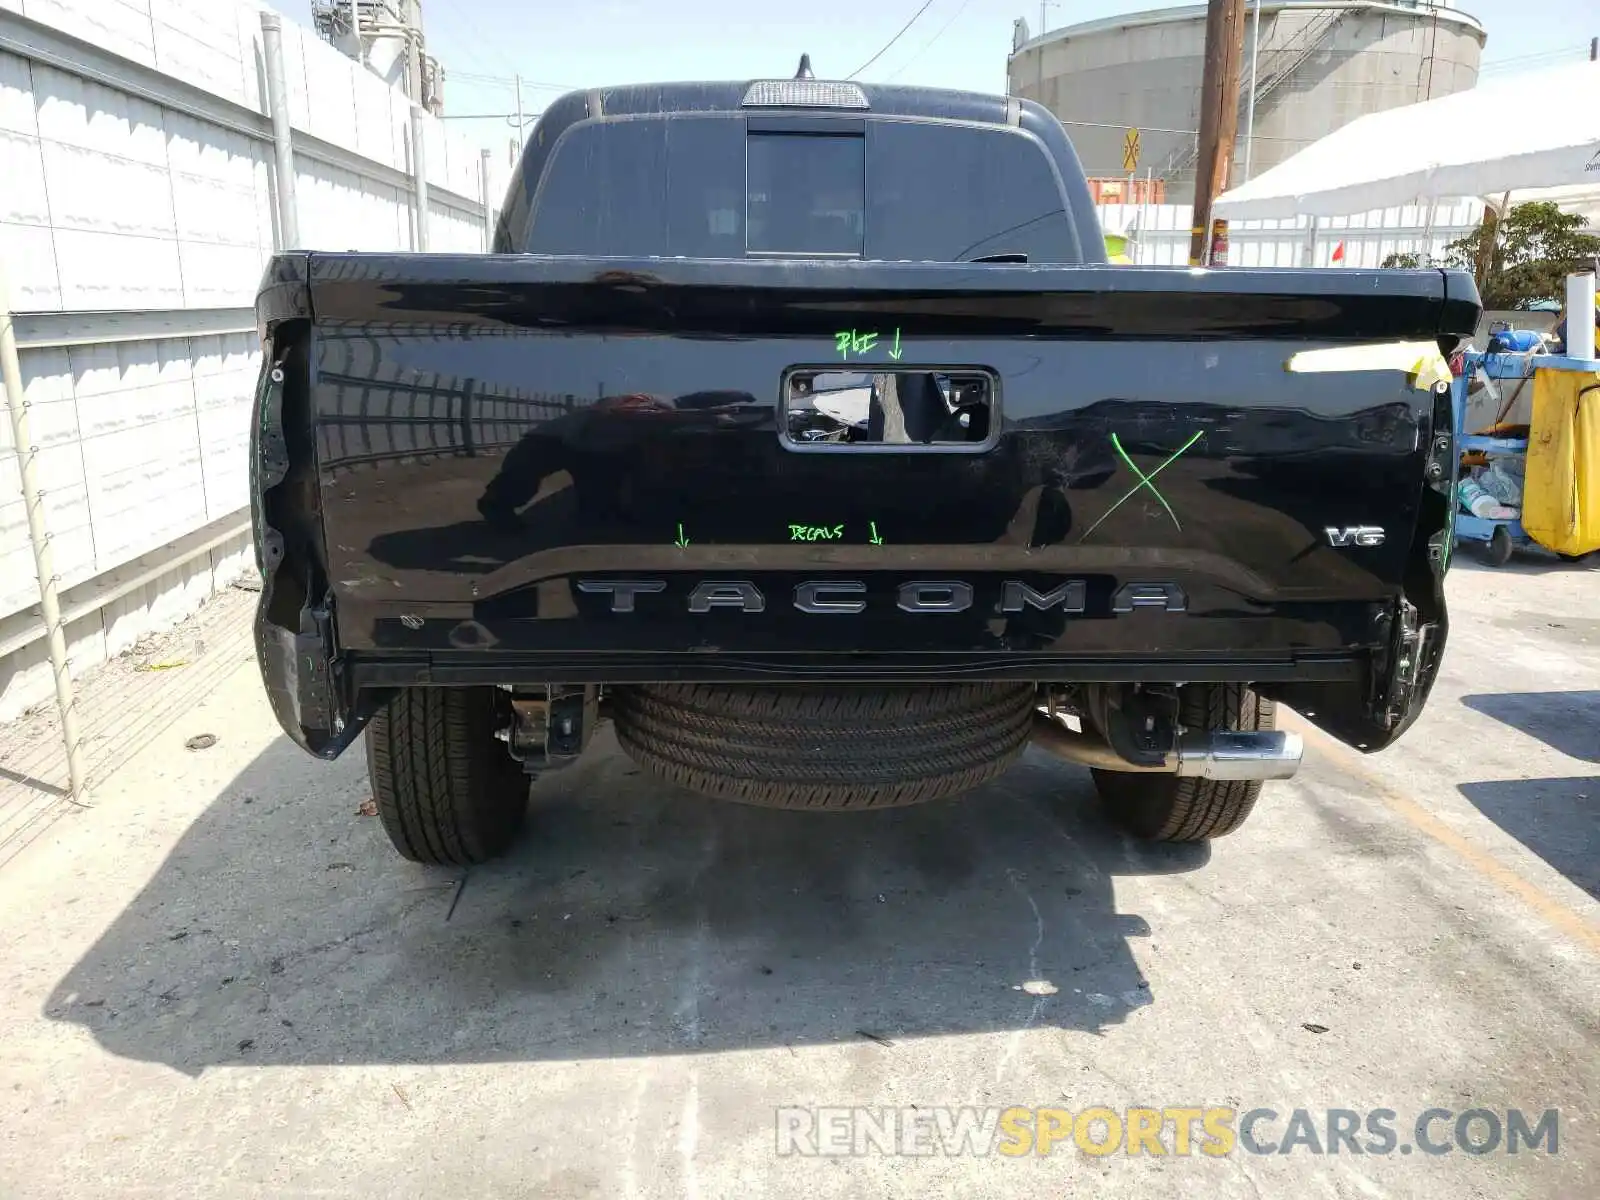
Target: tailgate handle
{"x": 894, "y": 409}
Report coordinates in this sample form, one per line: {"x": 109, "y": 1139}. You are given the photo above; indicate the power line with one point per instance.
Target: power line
{"x": 510, "y": 118}
{"x": 927, "y": 4}
{"x": 1573, "y": 49}
{"x": 459, "y": 7}
{"x": 1260, "y": 137}
{"x": 1525, "y": 60}
{"x": 475, "y": 35}
{"x": 943, "y": 29}
{"x": 509, "y": 80}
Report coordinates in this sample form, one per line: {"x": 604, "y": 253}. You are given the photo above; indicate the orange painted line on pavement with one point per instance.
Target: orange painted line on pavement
{"x": 1571, "y": 923}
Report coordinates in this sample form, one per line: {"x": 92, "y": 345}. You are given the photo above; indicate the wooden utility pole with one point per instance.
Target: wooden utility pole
{"x": 1219, "y": 118}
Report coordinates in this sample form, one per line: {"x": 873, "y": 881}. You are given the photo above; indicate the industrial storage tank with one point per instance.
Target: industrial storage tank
{"x": 1318, "y": 66}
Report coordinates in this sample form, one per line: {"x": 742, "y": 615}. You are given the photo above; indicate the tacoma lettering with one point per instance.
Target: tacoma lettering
{"x": 832, "y": 596}
{"x": 1072, "y": 596}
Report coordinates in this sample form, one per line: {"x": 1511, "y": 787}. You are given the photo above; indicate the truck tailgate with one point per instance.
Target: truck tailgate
{"x": 499, "y": 440}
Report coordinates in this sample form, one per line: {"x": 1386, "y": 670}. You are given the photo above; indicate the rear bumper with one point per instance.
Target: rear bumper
{"x": 1359, "y": 666}
{"x": 369, "y": 669}
{"x": 323, "y": 700}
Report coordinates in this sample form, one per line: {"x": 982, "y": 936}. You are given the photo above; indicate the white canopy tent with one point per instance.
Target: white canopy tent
{"x": 1535, "y": 135}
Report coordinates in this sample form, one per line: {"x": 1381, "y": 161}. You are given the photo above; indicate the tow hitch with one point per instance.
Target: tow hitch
{"x": 551, "y": 726}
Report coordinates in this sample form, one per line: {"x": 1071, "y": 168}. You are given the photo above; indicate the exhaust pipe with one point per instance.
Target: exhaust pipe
{"x": 1200, "y": 754}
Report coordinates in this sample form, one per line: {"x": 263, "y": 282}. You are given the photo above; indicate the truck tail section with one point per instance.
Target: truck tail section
{"x": 513, "y": 469}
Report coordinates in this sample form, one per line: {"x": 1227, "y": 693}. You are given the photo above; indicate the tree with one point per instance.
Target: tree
{"x": 1526, "y": 256}
{"x": 1522, "y": 259}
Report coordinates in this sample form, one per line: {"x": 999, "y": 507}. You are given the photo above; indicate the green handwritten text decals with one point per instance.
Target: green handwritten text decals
{"x": 860, "y": 342}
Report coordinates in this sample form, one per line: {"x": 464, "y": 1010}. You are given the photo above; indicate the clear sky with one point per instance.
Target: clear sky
{"x": 560, "y": 44}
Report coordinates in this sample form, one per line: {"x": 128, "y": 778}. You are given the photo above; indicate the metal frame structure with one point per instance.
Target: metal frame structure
{"x": 39, "y": 540}
{"x": 40, "y": 43}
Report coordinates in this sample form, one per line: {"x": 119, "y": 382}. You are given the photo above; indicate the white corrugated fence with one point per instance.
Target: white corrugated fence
{"x": 136, "y": 212}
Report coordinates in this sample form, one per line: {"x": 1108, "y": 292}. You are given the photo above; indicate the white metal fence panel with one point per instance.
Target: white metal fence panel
{"x": 136, "y": 182}
{"x": 1160, "y": 234}
{"x": 139, "y": 443}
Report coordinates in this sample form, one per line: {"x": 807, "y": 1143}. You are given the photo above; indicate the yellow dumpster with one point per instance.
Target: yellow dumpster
{"x": 1561, "y": 491}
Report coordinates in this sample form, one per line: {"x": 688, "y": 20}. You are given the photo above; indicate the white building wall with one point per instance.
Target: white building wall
{"x": 112, "y": 201}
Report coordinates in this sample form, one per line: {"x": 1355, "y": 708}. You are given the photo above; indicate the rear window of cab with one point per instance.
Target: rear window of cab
{"x": 719, "y": 186}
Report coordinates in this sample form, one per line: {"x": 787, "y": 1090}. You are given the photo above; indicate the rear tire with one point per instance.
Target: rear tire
{"x": 834, "y": 747}
{"x": 448, "y": 793}
{"x": 1168, "y": 808}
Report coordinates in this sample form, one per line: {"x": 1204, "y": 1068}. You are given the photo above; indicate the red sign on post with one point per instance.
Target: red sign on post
{"x": 1219, "y": 243}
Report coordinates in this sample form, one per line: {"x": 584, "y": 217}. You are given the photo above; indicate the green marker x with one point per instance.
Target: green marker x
{"x": 1144, "y": 482}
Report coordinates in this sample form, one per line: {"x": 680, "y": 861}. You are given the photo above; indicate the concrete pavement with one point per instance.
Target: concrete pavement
{"x": 223, "y": 982}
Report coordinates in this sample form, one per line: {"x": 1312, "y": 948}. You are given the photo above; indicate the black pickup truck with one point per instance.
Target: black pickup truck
{"x": 802, "y": 430}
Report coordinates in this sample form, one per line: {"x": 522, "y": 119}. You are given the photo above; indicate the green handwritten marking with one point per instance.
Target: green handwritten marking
{"x": 851, "y": 341}
{"x": 815, "y": 533}
{"x": 1145, "y": 481}
{"x": 682, "y": 541}
{"x": 876, "y": 540}
{"x": 895, "y": 353}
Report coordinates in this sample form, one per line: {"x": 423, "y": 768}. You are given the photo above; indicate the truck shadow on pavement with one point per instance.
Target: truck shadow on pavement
{"x": 1565, "y": 721}
{"x": 1557, "y": 818}
{"x": 631, "y": 919}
